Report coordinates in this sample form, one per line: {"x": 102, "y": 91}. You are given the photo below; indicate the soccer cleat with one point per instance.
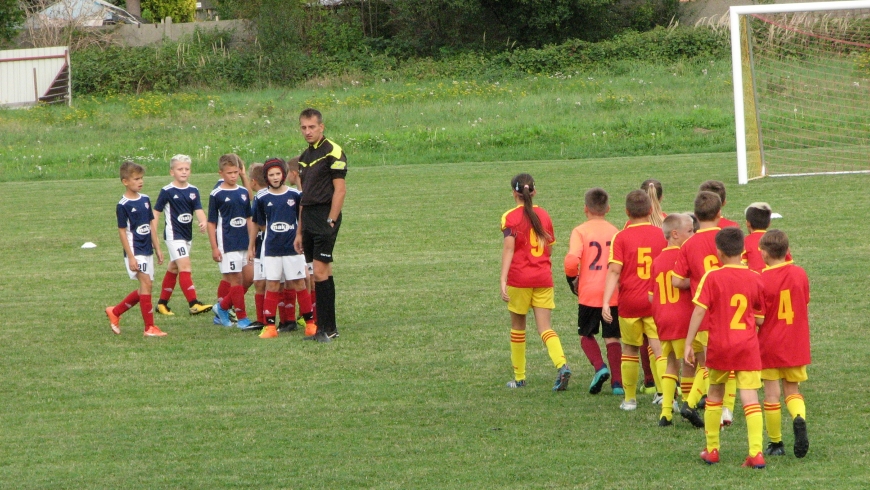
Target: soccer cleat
{"x": 254, "y": 326}
{"x": 801, "y": 441}
{"x": 198, "y": 308}
{"x": 691, "y": 415}
{"x": 598, "y": 380}
{"x": 702, "y": 403}
{"x": 300, "y": 321}
{"x": 775, "y": 449}
{"x": 710, "y": 457}
{"x": 563, "y": 378}
{"x": 756, "y": 462}
{"x": 516, "y": 384}
{"x": 114, "y": 320}
{"x": 216, "y": 320}
{"x": 332, "y": 335}
{"x": 222, "y": 315}
{"x": 322, "y": 337}
{"x": 287, "y": 327}
{"x": 232, "y": 314}
{"x": 153, "y": 331}
{"x": 657, "y": 399}
{"x": 664, "y": 422}
{"x": 618, "y": 389}
{"x": 269, "y": 332}
{"x": 628, "y": 405}
{"x": 164, "y": 310}
{"x": 243, "y": 323}
{"x": 310, "y": 329}
{"x": 676, "y": 406}
{"x": 727, "y": 417}
{"x": 647, "y": 388}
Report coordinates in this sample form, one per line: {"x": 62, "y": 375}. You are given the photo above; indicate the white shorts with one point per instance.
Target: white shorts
{"x": 178, "y": 249}
{"x": 146, "y": 266}
{"x": 232, "y": 262}
{"x": 288, "y": 267}
{"x": 259, "y": 273}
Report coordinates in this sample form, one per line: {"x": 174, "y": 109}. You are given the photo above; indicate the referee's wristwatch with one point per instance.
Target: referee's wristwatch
{"x": 330, "y": 221}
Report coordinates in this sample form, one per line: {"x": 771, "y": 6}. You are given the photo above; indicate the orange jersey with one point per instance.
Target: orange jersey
{"x": 588, "y": 252}
{"x": 635, "y": 248}
{"x": 671, "y": 307}
{"x": 530, "y": 265}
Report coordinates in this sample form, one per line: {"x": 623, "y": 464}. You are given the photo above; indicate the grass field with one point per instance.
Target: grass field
{"x": 412, "y": 395}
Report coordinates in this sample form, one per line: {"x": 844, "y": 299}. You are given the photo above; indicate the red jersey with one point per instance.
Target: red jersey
{"x": 752, "y": 254}
{"x": 588, "y": 252}
{"x": 727, "y": 223}
{"x": 784, "y": 337}
{"x": 635, "y": 248}
{"x": 731, "y": 295}
{"x": 530, "y": 266}
{"x": 697, "y": 257}
{"x": 671, "y": 307}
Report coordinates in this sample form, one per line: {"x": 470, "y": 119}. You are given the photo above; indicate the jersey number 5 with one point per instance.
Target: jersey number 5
{"x": 644, "y": 262}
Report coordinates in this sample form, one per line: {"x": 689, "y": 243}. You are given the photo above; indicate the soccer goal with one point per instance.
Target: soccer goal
{"x": 801, "y": 88}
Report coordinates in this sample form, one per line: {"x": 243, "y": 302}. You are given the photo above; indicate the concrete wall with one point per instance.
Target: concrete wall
{"x": 698, "y": 9}
{"x": 145, "y": 34}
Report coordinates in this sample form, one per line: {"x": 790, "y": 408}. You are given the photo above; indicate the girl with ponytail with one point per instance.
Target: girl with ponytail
{"x": 527, "y": 279}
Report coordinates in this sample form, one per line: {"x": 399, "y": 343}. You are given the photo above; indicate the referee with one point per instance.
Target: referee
{"x": 322, "y": 169}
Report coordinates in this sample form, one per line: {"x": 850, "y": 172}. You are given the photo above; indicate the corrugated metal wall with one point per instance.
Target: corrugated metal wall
{"x": 26, "y": 75}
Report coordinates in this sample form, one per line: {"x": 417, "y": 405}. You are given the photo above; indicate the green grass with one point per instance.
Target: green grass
{"x": 628, "y": 109}
{"x": 411, "y": 395}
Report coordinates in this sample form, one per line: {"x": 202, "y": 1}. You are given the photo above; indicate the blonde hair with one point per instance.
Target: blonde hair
{"x": 178, "y": 159}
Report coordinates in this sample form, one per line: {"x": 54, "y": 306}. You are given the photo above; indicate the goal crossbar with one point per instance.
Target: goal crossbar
{"x": 737, "y": 48}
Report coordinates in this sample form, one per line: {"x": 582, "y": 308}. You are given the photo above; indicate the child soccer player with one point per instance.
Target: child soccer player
{"x": 135, "y": 224}
{"x": 631, "y": 255}
{"x": 256, "y": 182}
{"x": 229, "y": 217}
{"x": 784, "y": 339}
{"x": 718, "y": 188}
{"x": 585, "y": 270}
{"x": 527, "y": 279}
{"x": 757, "y": 222}
{"x": 181, "y": 202}
{"x": 277, "y": 214}
{"x": 698, "y": 256}
{"x": 671, "y": 309}
{"x": 729, "y": 297}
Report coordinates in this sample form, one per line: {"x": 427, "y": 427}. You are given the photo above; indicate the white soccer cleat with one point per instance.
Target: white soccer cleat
{"x": 628, "y": 405}
{"x": 727, "y": 417}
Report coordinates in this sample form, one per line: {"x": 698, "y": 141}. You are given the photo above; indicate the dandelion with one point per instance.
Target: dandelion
{"x": 356, "y": 125}
{"x": 856, "y": 84}
{"x": 704, "y": 71}
{"x": 443, "y": 129}
{"x": 267, "y": 122}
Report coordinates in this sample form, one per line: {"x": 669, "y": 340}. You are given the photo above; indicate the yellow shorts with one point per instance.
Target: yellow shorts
{"x": 746, "y": 380}
{"x": 632, "y": 330}
{"x": 678, "y": 347}
{"x": 700, "y": 341}
{"x": 791, "y": 374}
{"x": 521, "y": 299}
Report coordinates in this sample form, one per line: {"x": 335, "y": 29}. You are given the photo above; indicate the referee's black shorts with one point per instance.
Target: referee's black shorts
{"x": 318, "y": 237}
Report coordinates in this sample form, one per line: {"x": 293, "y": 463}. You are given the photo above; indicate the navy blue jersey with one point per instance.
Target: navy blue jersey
{"x": 258, "y": 241}
{"x": 135, "y": 216}
{"x": 279, "y": 213}
{"x": 229, "y": 209}
{"x": 178, "y": 203}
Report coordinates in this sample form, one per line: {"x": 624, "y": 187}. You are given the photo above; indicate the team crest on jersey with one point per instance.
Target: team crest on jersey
{"x": 185, "y": 218}
{"x": 143, "y": 229}
{"x": 147, "y": 205}
{"x": 281, "y": 227}
{"x": 244, "y": 197}
{"x": 192, "y": 196}
{"x": 237, "y": 222}
{"x": 291, "y": 202}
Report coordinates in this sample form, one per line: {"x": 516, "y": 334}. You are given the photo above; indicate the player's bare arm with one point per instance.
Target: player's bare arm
{"x": 694, "y": 325}
{"x": 131, "y": 259}
{"x": 507, "y": 254}
{"x": 680, "y": 282}
{"x": 212, "y": 238}
{"x": 337, "y": 199}
{"x": 610, "y": 283}
{"x": 201, "y": 220}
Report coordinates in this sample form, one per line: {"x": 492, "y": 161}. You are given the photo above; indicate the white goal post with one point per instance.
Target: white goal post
{"x": 801, "y": 113}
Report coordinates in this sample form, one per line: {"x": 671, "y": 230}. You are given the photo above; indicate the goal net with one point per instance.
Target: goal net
{"x": 801, "y": 88}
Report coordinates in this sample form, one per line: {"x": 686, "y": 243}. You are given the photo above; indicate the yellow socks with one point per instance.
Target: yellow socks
{"x": 659, "y": 367}
{"x": 630, "y": 366}
{"x": 554, "y": 347}
{"x": 712, "y": 414}
{"x": 796, "y": 406}
{"x": 773, "y": 421}
{"x": 518, "y": 353}
{"x": 730, "y": 392}
{"x": 669, "y": 386}
{"x": 686, "y": 386}
{"x": 754, "y": 426}
{"x": 654, "y": 367}
{"x": 699, "y": 387}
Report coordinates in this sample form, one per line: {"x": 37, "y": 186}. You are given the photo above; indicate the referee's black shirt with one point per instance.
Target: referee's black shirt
{"x": 318, "y": 165}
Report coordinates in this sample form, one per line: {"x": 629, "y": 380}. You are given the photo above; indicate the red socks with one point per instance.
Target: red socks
{"x": 238, "y": 301}
{"x": 306, "y": 305}
{"x": 614, "y": 358}
{"x": 259, "y": 304}
{"x": 168, "y": 286}
{"x": 187, "y": 286}
{"x": 270, "y": 306}
{"x": 288, "y": 313}
{"x": 130, "y": 301}
{"x": 644, "y": 361}
{"x": 223, "y": 291}
{"x": 147, "y": 309}
{"x": 592, "y": 351}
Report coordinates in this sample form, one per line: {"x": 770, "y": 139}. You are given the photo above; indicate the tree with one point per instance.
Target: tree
{"x": 179, "y": 10}
{"x": 11, "y": 16}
